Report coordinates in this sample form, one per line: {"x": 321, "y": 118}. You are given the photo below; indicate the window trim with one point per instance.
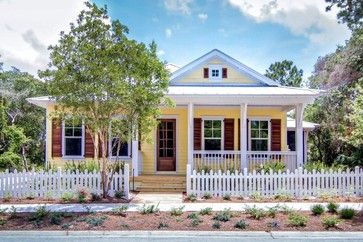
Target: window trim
{"x": 109, "y": 146}
{"x": 250, "y": 120}
{"x": 64, "y": 142}
{"x": 215, "y": 67}
{"x": 216, "y": 118}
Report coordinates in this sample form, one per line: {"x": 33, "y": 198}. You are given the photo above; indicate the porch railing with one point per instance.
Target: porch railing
{"x": 231, "y": 160}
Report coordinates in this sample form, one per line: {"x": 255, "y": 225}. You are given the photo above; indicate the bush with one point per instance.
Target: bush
{"x": 317, "y": 209}
{"x": 7, "y": 197}
{"x": 13, "y": 213}
{"x": 223, "y": 216}
{"x": 95, "y": 197}
{"x": 119, "y": 194}
{"x": 177, "y": 211}
{"x": 149, "y": 209}
{"x": 297, "y": 220}
{"x": 207, "y": 195}
{"x": 192, "y": 197}
{"x": 242, "y": 224}
{"x": 332, "y": 207}
{"x": 216, "y": 225}
{"x": 227, "y": 197}
{"x": 285, "y": 209}
{"x": 206, "y": 211}
{"x": 330, "y": 222}
{"x": 272, "y": 211}
{"x": 346, "y": 213}
{"x": 319, "y": 166}
{"x": 195, "y": 222}
{"x": 67, "y": 197}
{"x": 282, "y": 197}
{"x": 121, "y": 210}
{"x": 55, "y": 218}
{"x": 256, "y": 196}
{"x": 275, "y": 166}
{"x": 95, "y": 221}
{"x": 256, "y": 213}
{"x": 193, "y": 216}
{"x": 82, "y": 195}
{"x": 37, "y": 217}
{"x": 81, "y": 166}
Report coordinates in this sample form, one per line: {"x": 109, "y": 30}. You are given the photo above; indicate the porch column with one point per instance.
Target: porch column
{"x": 299, "y": 113}
{"x": 243, "y": 136}
{"x": 135, "y": 156}
{"x": 190, "y": 133}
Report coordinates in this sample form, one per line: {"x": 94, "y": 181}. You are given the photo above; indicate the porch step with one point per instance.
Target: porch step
{"x": 158, "y": 183}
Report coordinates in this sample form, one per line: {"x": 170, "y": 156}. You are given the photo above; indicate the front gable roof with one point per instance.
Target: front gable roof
{"x": 244, "y": 70}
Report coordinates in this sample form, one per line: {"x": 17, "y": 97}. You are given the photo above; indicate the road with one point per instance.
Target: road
{"x": 141, "y": 236}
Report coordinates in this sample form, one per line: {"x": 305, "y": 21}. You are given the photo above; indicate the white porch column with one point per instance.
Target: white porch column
{"x": 243, "y": 136}
{"x": 299, "y": 113}
{"x": 190, "y": 133}
{"x": 135, "y": 156}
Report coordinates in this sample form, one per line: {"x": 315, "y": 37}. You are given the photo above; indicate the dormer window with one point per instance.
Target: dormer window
{"x": 215, "y": 72}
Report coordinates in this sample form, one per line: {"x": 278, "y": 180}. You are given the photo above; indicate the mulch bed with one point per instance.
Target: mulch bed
{"x": 59, "y": 201}
{"x": 164, "y": 221}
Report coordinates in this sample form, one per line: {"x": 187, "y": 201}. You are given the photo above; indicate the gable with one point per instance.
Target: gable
{"x": 199, "y": 72}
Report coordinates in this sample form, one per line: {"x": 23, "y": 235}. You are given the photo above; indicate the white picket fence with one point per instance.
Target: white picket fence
{"x": 299, "y": 183}
{"x": 54, "y": 184}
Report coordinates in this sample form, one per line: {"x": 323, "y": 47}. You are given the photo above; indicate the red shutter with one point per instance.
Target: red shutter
{"x": 206, "y": 72}
{"x": 56, "y": 138}
{"x": 197, "y": 134}
{"x": 88, "y": 145}
{"x": 224, "y": 72}
{"x": 229, "y": 134}
{"x": 275, "y": 134}
{"x": 239, "y": 134}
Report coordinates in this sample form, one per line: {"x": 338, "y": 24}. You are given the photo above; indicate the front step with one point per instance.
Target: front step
{"x": 158, "y": 183}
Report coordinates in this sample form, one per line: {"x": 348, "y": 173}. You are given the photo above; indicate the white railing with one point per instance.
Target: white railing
{"x": 257, "y": 158}
{"x": 298, "y": 183}
{"x": 231, "y": 160}
{"x": 54, "y": 183}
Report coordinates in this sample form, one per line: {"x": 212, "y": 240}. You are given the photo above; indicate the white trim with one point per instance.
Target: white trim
{"x": 268, "y": 119}
{"x": 217, "y": 118}
{"x": 211, "y": 68}
{"x": 72, "y": 157}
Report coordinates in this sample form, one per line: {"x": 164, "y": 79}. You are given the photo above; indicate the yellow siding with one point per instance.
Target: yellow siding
{"x": 232, "y": 75}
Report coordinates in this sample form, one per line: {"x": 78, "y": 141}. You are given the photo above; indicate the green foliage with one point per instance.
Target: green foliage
{"x": 273, "y": 166}
{"x": 13, "y": 212}
{"x": 285, "y": 73}
{"x": 119, "y": 194}
{"x": 227, "y": 197}
{"x": 206, "y": 211}
{"x": 192, "y": 197}
{"x": 7, "y": 197}
{"x": 207, "y": 195}
{"x": 285, "y": 209}
{"x": 241, "y": 224}
{"x": 223, "y": 216}
{"x": 272, "y": 211}
{"x": 95, "y": 197}
{"x": 81, "y": 166}
{"x": 256, "y": 196}
{"x": 330, "y": 222}
{"x": 95, "y": 221}
{"x": 350, "y": 12}
{"x": 39, "y": 215}
{"x": 193, "y": 215}
{"x": 67, "y": 196}
{"x": 121, "y": 210}
{"x": 319, "y": 166}
{"x": 149, "y": 209}
{"x": 55, "y": 218}
{"x": 297, "y": 220}
{"x": 82, "y": 195}
{"x": 256, "y": 213}
{"x": 216, "y": 225}
{"x": 195, "y": 222}
{"x": 177, "y": 211}
{"x": 332, "y": 207}
{"x": 346, "y": 213}
{"x": 317, "y": 209}
{"x": 282, "y": 197}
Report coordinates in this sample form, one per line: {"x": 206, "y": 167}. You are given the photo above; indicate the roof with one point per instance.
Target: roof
{"x": 306, "y": 125}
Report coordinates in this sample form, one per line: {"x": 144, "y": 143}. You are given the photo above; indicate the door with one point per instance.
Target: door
{"x": 166, "y": 147}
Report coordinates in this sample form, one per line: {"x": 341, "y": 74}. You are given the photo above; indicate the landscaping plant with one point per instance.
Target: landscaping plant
{"x": 330, "y": 222}
{"x": 223, "y": 216}
{"x": 216, "y": 225}
{"x": 66, "y": 197}
{"x": 207, "y": 195}
{"x": 149, "y": 209}
{"x": 119, "y": 194}
{"x": 256, "y": 213}
{"x": 346, "y": 213}
{"x": 317, "y": 209}
{"x": 192, "y": 197}
{"x": 206, "y": 211}
{"x": 332, "y": 207}
{"x": 227, "y": 197}
{"x": 193, "y": 215}
{"x": 297, "y": 220}
{"x": 162, "y": 225}
{"x": 241, "y": 224}
{"x": 82, "y": 195}
{"x": 121, "y": 210}
{"x": 177, "y": 211}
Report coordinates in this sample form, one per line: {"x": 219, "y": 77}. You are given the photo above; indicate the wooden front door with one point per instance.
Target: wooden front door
{"x": 166, "y": 145}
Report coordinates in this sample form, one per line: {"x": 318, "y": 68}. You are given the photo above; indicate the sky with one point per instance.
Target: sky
{"x": 255, "y": 32}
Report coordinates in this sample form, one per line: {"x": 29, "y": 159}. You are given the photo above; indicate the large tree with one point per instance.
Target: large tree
{"x": 97, "y": 73}
{"x": 350, "y": 12}
{"x": 286, "y": 73}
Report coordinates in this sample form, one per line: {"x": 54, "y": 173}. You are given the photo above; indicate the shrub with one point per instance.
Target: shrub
{"x": 346, "y": 213}
{"x": 193, "y": 216}
{"x": 48, "y": 195}
{"x": 317, "y": 209}
{"x": 119, "y": 194}
{"x": 242, "y": 224}
{"x": 7, "y": 197}
{"x": 82, "y": 195}
{"x": 192, "y": 197}
{"x": 121, "y": 210}
{"x": 319, "y": 166}
{"x": 66, "y": 226}
{"x": 226, "y": 197}
{"x": 37, "y": 217}
{"x": 30, "y": 196}
{"x": 95, "y": 221}
{"x": 95, "y": 197}
{"x": 149, "y": 209}
{"x": 330, "y": 222}
{"x": 297, "y": 220}
{"x": 332, "y": 207}
{"x": 67, "y": 197}
{"x": 177, "y": 211}
{"x": 195, "y": 222}
{"x": 275, "y": 166}
{"x": 204, "y": 168}
{"x": 272, "y": 211}
{"x": 223, "y": 216}
{"x": 2, "y": 221}
{"x": 256, "y": 213}
{"x": 286, "y": 210}
{"x": 13, "y": 213}
{"x": 206, "y": 211}
{"x": 282, "y": 197}
{"x": 81, "y": 166}
{"x": 256, "y": 196}
{"x": 162, "y": 225}
{"x": 55, "y": 218}
{"x": 216, "y": 225}
{"x": 207, "y": 195}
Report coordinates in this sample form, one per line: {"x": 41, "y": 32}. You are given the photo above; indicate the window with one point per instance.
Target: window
{"x": 73, "y": 138}
{"x": 259, "y": 135}
{"x": 117, "y": 148}
{"x": 212, "y": 134}
{"x": 215, "y": 72}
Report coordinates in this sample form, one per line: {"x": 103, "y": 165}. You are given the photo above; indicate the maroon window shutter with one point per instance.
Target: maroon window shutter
{"x": 56, "y": 138}
{"x": 88, "y": 145}
{"x": 229, "y": 134}
{"x": 197, "y": 134}
{"x": 224, "y": 72}
{"x": 275, "y": 134}
{"x": 239, "y": 134}
{"x": 206, "y": 73}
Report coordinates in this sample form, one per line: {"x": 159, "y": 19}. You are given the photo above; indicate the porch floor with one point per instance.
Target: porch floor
{"x": 158, "y": 183}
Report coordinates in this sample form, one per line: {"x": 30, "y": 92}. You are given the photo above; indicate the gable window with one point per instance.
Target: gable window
{"x": 212, "y": 134}
{"x": 259, "y": 135}
{"x": 215, "y": 72}
{"x": 73, "y": 138}
{"x": 117, "y": 148}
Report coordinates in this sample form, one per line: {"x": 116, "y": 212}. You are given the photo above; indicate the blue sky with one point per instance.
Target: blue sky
{"x": 256, "y": 32}
{"x": 185, "y": 30}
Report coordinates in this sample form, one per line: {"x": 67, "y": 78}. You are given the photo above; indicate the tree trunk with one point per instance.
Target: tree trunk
{"x": 25, "y": 162}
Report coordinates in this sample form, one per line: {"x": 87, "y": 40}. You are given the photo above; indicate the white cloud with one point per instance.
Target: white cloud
{"x": 27, "y": 28}
{"x": 306, "y": 18}
{"x": 168, "y": 32}
{"x": 178, "y": 6}
{"x": 160, "y": 53}
{"x": 203, "y": 16}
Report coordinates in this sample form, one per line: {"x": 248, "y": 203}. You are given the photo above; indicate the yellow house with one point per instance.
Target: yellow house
{"x": 227, "y": 116}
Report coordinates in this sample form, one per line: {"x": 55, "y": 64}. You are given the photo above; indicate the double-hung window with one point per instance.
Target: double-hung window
{"x": 73, "y": 139}
{"x": 212, "y": 134}
{"x": 259, "y": 135}
{"x": 117, "y": 147}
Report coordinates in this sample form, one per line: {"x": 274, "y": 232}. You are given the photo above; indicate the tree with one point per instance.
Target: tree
{"x": 350, "y": 12}
{"x": 96, "y": 73}
{"x": 286, "y": 73}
